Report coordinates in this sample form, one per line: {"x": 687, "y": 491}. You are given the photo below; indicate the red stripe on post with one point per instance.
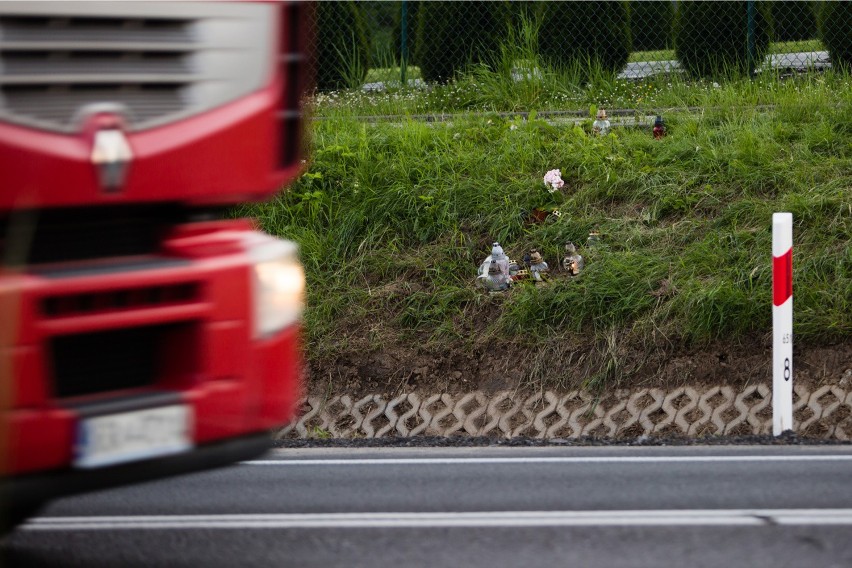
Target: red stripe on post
{"x": 782, "y": 277}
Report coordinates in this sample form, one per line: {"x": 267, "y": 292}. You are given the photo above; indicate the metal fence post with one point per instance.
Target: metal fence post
{"x": 750, "y": 32}
{"x": 403, "y": 49}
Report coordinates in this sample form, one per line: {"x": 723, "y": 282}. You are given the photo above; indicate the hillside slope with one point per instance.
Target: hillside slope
{"x": 395, "y": 218}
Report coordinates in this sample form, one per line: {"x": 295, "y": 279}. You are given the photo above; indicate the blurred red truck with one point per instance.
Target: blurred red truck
{"x": 143, "y": 332}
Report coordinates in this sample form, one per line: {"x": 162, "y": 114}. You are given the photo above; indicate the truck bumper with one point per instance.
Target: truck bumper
{"x": 97, "y": 338}
{"x": 21, "y": 496}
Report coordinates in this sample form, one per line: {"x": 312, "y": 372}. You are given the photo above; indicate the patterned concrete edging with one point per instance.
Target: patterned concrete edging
{"x": 824, "y": 413}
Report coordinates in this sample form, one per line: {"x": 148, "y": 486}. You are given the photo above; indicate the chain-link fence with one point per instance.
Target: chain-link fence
{"x": 386, "y": 44}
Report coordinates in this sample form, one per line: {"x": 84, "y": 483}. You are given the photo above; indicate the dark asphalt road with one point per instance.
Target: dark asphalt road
{"x": 608, "y": 507}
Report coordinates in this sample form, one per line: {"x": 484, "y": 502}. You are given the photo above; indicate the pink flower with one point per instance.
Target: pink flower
{"x": 553, "y": 178}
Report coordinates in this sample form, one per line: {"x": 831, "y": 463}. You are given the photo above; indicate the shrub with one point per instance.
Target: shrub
{"x": 342, "y": 45}
{"x": 451, "y": 35}
{"x": 596, "y": 33}
{"x": 711, "y": 36}
{"x": 651, "y": 24}
{"x": 836, "y": 29}
{"x": 794, "y": 20}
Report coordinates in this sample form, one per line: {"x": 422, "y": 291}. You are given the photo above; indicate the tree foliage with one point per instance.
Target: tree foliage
{"x": 651, "y": 24}
{"x": 586, "y": 32}
{"x": 794, "y": 20}
{"x": 451, "y": 35}
{"x": 711, "y": 36}
{"x": 836, "y": 31}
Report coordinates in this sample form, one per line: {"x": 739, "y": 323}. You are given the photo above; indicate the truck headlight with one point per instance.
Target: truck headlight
{"x": 279, "y": 283}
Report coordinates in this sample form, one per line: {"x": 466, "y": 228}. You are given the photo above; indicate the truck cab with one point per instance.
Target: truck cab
{"x": 144, "y": 330}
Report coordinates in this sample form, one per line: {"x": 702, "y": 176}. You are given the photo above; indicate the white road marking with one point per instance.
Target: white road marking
{"x": 557, "y": 460}
{"x": 715, "y": 517}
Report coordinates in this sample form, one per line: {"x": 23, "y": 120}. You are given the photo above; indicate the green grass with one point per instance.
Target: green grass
{"x": 545, "y": 89}
{"x": 796, "y": 46}
{"x": 542, "y": 88}
{"x": 775, "y": 47}
{"x": 393, "y": 218}
{"x": 654, "y": 55}
{"x": 389, "y": 74}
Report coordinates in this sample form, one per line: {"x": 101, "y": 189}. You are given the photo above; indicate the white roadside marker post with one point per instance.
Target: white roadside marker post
{"x": 782, "y": 322}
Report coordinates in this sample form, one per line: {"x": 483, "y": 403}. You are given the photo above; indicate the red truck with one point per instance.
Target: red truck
{"x": 143, "y": 330}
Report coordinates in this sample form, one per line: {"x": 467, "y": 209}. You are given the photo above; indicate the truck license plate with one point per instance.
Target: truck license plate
{"x": 132, "y": 436}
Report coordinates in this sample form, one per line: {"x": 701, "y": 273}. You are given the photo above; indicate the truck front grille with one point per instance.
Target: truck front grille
{"x": 107, "y": 361}
{"x": 118, "y": 300}
{"x": 152, "y": 62}
{"x": 42, "y": 236}
{"x": 59, "y": 105}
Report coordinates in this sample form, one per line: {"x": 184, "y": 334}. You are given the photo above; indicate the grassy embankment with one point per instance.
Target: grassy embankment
{"x": 394, "y": 218}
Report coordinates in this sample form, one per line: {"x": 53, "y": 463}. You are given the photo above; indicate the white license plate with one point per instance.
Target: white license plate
{"x": 132, "y": 436}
